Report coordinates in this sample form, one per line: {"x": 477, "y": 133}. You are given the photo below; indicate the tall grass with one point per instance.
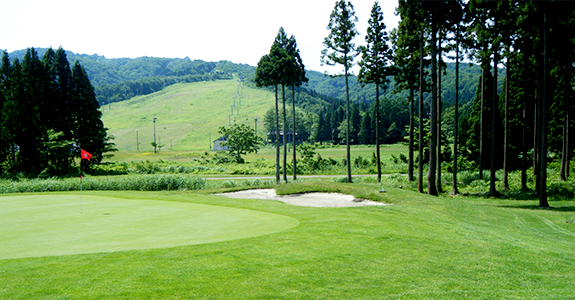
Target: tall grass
{"x": 116, "y": 183}
{"x": 164, "y": 182}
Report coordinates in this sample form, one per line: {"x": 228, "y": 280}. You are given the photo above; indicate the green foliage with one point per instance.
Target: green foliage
{"x": 47, "y": 107}
{"x": 124, "y": 183}
{"x": 241, "y": 140}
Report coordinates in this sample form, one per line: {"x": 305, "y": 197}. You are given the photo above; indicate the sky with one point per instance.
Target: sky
{"x": 240, "y": 31}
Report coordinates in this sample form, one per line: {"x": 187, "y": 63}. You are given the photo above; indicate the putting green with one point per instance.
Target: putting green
{"x": 48, "y": 225}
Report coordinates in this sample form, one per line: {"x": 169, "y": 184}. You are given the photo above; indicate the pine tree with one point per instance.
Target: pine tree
{"x": 296, "y": 76}
{"x": 364, "y": 135}
{"x": 63, "y": 73}
{"x": 28, "y": 128}
{"x": 266, "y": 74}
{"x": 89, "y": 131}
{"x": 5, "y": 71}
{"x": 284, "y": 66}
{"x": 339, "y": 49}
{"x": 406, "y": 63}
{"x": 374, "y": 67}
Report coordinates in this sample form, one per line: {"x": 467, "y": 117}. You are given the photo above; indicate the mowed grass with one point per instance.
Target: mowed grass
{"x": 65, "y": 224}
{"x": 188, "y": 115}
{"x": 420, "y": 247}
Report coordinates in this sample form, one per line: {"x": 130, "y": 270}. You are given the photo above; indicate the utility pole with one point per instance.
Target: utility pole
{"x": 155, "y": 135}
{"x": 256, "y": 124}
{"x": 137, "y": 141}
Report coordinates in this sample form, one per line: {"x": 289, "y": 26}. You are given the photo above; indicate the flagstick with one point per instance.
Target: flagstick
{"x": 81, "y": 210}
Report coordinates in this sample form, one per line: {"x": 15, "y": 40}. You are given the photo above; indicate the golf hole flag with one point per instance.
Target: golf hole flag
{"x": 85, "y": 155}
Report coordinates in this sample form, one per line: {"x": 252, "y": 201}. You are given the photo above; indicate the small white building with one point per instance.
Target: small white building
{"x": 218, "y": 142}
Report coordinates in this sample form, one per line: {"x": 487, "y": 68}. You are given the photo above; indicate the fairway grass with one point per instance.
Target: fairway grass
{"x": 420, "y": 247}
{"x": 65, "y": 224}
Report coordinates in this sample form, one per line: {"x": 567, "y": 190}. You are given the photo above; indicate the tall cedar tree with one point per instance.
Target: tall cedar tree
{"x": 405, "y": 40}
{"x": 296, "y": 77}
{"x": 5, "y": 71}
{"x": 284, "y": 64}
{"x": 88, "y": 127}
{"x": 266, "y": 74}
{"x": 374, "y": 66}
{"x": 22, "y": 113}
{"x": 340, "y": 50}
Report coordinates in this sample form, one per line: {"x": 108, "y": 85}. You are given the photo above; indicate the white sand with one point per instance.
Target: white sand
{"x": 308, "y": 199}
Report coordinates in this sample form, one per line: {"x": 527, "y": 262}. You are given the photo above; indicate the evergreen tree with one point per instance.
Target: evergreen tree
{"x": 405, "y": 41}
{"x": 89, "y": 131}
{"x": 355, "y": 124}
{"x": 5, "y": 71}
{"x": 285, "y": 67}
{"x": 266, "y": 74}
{"x": 61, "y": 70}
{"x": 296, "y": 76}
{"x": 321, "y": 128}
{"x": 339, "y": 49}
{"x": 365, "y": 132}
{"x": 374, "y": 67}
{"x": 24, "y": 118}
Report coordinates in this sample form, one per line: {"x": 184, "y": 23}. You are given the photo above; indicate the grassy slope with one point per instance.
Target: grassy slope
{"x": 186, "y": 115}
{"x": 419, "y": 248}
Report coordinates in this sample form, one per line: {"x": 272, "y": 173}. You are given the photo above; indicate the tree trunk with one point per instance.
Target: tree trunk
{"x": 284, "y": 170}
{"x": 481, "y": 119}
{"x": 564, "y": 172}
{"x": 564, "y": 146}
{"x": 411, "y": 124}
{"x": 536, "y": 134}
{"x": 347, "y": 115}
{"x": 420, "y": 125}
{"x": 454, "y": 189}
{"x": 293, "y": 134}
{"x": 524, "y": 145}
{"x": 377, "y": 117}
{"x": 277, "y": 138}
{"x": 492, "y": 190}
{"x": 438, "y": 178}
{"x": 431, "y": 187}
{"x": 543, "y": 150}
{"x": 506, "y": 129}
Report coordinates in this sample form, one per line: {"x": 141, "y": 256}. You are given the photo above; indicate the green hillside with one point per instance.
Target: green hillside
{"x": 188, "y": 115}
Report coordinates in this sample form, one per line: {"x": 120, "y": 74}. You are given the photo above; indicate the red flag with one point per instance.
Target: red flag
{"x": 85, "y": 155}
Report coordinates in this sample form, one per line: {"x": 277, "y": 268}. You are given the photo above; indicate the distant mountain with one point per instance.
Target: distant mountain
{"x": 118, "y": 79}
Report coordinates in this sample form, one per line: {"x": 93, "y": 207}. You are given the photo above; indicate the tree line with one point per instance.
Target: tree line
{"x": 48, "y": 112}
{"x": 517, "y": 125}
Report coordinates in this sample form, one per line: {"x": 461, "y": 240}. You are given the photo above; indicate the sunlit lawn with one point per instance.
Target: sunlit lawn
{"x": 420, "y": 247}
{"x": 267, "y": 152}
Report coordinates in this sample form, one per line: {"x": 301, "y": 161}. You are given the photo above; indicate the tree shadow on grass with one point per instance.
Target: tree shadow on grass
{"x": 536, "y": 207}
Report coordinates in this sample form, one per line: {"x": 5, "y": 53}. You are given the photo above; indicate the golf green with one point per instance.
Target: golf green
{"x": 49, "y": 225}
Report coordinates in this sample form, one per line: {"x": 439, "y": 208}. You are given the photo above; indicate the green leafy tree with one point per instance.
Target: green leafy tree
{"x": 241, "y": 140}
{"x": 57, "y": 151}
{"x": 339, "y": 49}
{"x": 375, "y": 66}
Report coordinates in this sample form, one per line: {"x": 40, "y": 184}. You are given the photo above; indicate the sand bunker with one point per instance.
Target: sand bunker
{"x": 308, "y": 199}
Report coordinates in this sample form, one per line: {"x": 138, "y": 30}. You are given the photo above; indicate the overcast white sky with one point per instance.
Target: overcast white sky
{"x": 240, "y": 31}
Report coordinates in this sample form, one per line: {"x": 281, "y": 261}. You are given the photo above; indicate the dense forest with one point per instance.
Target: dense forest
{"x": 48, "y": 113}
{"x": 523, "y": 125}
{"x": 519, "y": 118}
